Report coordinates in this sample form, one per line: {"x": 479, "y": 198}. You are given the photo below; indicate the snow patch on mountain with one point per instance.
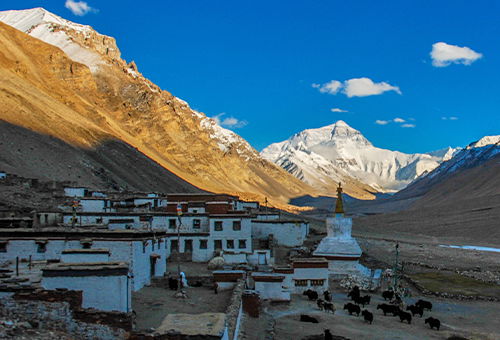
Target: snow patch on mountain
{"x": 52, "y": 29}
{"x": 339, "y": 152}
{"x": 226, "y": 139}
{"x": 474, "y": 154}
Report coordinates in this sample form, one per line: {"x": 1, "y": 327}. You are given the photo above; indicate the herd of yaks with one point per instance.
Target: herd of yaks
{"x": 326, "y": 304}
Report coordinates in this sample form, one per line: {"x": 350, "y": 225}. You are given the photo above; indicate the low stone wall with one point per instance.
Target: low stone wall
{"x": 233, "y": 311}
{"x": 61, "y": 310}
{"x": 425, "y": 291}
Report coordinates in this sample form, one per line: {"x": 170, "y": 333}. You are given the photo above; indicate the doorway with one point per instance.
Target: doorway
{"x": 262, "y": 258}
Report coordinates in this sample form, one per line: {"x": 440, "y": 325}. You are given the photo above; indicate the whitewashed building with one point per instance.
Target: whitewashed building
{"x": 231, "y": 233}
{"x": 310, "y": 273}
{"x": 284, "y": 233}
{"x": 270, "y": 286}
{"x": 76, "y": 191}
{"x": 144, "y": 251}
{"x": 105, "y": 285}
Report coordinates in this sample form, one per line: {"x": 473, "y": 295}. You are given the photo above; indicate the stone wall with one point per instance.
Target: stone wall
{"x": 233, "y": 311}
{"x": 61, "y": 310}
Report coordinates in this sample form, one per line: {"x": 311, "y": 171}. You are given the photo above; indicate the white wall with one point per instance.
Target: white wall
{"x": 161, "y": 222}
{"x": 74, "y": 192}
{"x": 92, "y": 205}
{"x": 88, "y": 219}
{"x": 127, "y": 251}
{"x": 84, "y": 257}
{"x": 310, "y": 274}
{"x": 253, "y": 258}
{"x": 198, "y": 254}
{"x": 286, "y": 233}
{"x": 234, "y": 258}
{"x": 272, "y": 291}
{"x": 228, "y": 233}
{"x": 107, "y": 293}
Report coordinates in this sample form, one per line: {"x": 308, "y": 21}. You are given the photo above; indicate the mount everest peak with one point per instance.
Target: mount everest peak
{"x": 342, "y": 153}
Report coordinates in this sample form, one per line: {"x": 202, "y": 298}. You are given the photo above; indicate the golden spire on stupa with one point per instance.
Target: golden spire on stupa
{"x": 339, "y": 205}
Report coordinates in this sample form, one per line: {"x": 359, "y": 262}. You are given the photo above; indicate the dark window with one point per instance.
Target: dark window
{"x": 188, "y": 246}
{"x": 196, "y": 224}
{"x": 174, "y": 246}
{"x": 203, "y": 244}
{"x": 165, "y": 243}
{"x": 172, "y": 224}
{"x": 300, "y": 283}
{"x": 3, "y": 247}
{"x": 218, "y": 225}
{"x": 242, "y": 244}
{"x": 152, "y": 245}
{"x": 317, "y": 282}
{"x": 41, "y": 247}
{"x": 98, "y": 220}
{"x": 230, "y": 244}
{"x": 236, "y": 225}
{"x": 218, "y": 244}
{"x": 86, "y": 245}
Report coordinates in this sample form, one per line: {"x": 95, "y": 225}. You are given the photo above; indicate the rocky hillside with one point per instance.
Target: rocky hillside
{"x": 340, "y": 153}
{"x": 65, "y": 83}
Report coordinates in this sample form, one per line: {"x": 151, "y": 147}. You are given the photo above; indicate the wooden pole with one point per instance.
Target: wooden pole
{"x": 17, "y": 265}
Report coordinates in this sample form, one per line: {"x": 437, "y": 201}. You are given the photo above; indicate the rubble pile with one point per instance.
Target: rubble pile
{"x": 485, "y": 276}
{"x": 23, "y": 330}
{"x": 364, "y": 283}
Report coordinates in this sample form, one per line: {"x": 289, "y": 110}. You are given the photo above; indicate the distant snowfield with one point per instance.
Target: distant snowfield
{"x": 496, "y": 250}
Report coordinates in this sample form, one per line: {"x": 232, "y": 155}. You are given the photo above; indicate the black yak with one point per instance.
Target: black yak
{"x": 433, "y": 322}
{"x": 367, "y": 316}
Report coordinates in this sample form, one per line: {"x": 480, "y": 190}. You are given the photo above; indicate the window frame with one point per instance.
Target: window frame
{"x": 218, "y": 226}
{"x": 203, "y": 244}
{"x": 236, "y": 225}
{"x": 242, "y": 242}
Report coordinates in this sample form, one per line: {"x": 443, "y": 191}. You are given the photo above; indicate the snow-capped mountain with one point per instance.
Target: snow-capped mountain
{"x": 80, "y": 42}
{"x": 475, "y": 153}
{"x": 339, "y": 152}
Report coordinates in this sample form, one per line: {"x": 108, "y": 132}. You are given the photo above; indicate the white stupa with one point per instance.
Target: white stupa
{"x": 340, "y": 249}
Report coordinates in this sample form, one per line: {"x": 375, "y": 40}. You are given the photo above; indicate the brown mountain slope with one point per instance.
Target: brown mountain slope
{"x": 44, "y": 91}
{"x": 463, "y": 208}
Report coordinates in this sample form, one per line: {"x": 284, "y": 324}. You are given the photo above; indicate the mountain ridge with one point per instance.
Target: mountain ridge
{"x": 48, "y": 92}
{"x": 342, "y": 152}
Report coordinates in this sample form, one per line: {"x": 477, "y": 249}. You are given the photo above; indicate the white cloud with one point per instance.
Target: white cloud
{"x": 396, "y": 120}
{"x": 230, "y": 122}
{"x": 331, "y": 87}
{"x": 449, "y": 118}
{"x": 79, "y": 8}
{"x": 443, "y": 55}
{"x": 336, "y": 109}
{"x": 362, "y": 87}
{"x": 356, "y": 87}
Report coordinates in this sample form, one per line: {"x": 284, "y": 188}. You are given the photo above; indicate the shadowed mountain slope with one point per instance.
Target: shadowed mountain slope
{"x": 109, "y": 105}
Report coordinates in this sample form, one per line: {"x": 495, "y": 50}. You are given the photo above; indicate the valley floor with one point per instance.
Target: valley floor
{"x": 473, "y": 320}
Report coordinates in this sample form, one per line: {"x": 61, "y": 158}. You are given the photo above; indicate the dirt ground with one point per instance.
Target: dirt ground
{"x": 473, "y": 320}
{"x": 152, "y": 304}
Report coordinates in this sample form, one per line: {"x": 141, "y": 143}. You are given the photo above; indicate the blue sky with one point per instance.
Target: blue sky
{"x": 262, "y": 66}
